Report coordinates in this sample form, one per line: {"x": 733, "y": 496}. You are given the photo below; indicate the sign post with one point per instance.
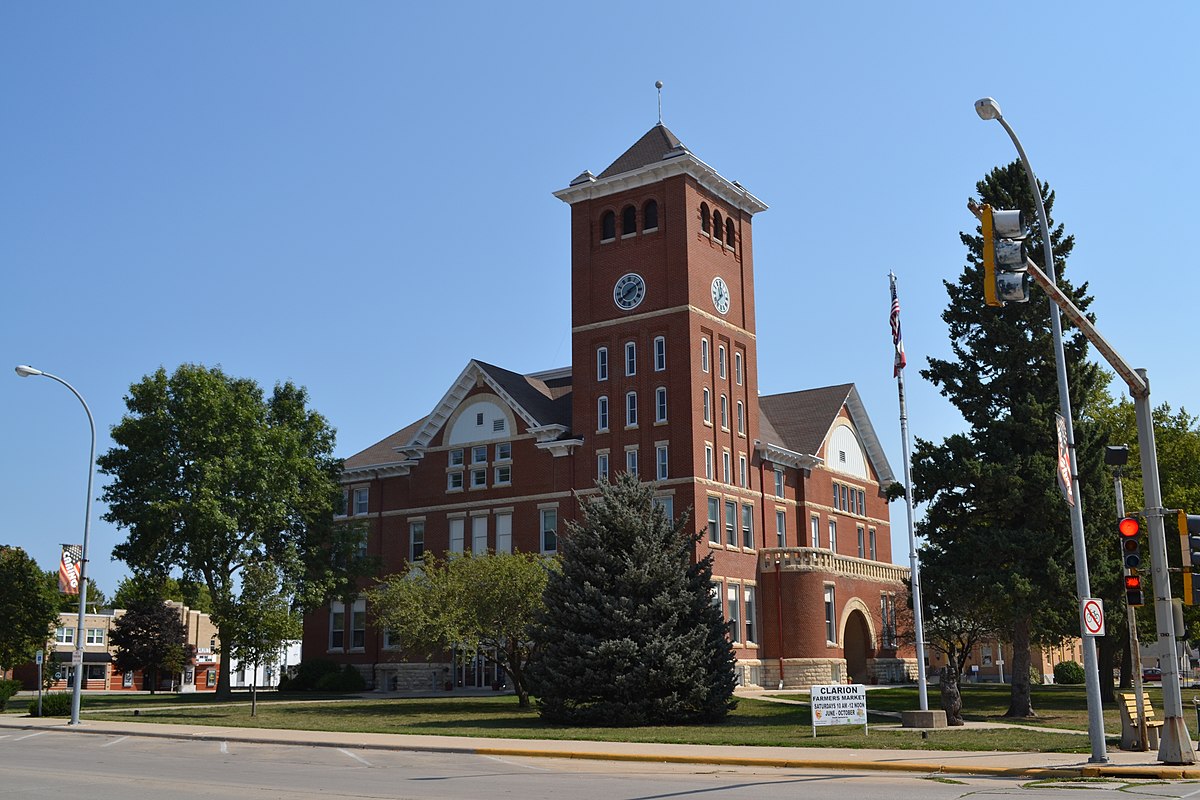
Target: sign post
{"x": 838, "y": 704}
{"x": 41, "y": 655}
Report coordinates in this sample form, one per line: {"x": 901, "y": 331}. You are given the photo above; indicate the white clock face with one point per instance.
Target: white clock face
{"x": 629, "y": 291}
{"x": 720, "y": 295}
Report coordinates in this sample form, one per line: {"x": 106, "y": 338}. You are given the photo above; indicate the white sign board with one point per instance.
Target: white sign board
{"x": 1092, "y": 609}
{"x": 39, "y": 658}
{"x": 838, "y": 704}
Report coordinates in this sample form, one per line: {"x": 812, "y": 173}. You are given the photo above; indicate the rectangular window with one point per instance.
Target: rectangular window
{"x": 721, "y": 360}
{"x": 780, "y": 529}
{"x": 94, "y": 636}
{"x": 504, "y": 475}
{"x": 504, "y": 533}
{"x": 748, "y": 598}
{"x": 504, "y": 451}
{"x": 479, "y": 454}
{"x": 778, "y": 482}
{"x": 815, "y": 531}
{"x": 456, "y": 458}
{"x": 737, "y": 368}
{"x": 871, "y": 543}
{"x": 416, "y": 541}
{"x": 549, "y": 530}
{"x": 360, "y": 547}
{"x": 862, "y": 503}
{"x": 602, "y": 466}
{"x": 747, "y": 526}
{"x": 457, "y": 533}
{"x": 742, "y": 475}
{"x": 630, "y": 358}
{"x": 714, "y": 522}
{"x": 730, "y": 523}
{"x": 667, "y": 504}
{"x": 725, "y": 468}
{"x": 708, "y": 461}
{"x": 454, "y": 480}
{"x": 631, "y": 461}
{"x": 833, "y": 535}
{"x": 631, "y": 409}
{"x": 478, "y": 478}
{"x": 887, "y": 615}
{"x": 660, "y": 354}
{"x": 337, "y": 626}
{"x": 602, "y": 414}
{"x": 845, "y": 501}
{"x": 862, "y": 542}
{"x": 602, "y": 364}
{"x": 358, "y": 625}
{"x": 704, "y": 355}
{"x": 830, "y": 623}
{"x": 660, "y": 404}
{"x": 360, "y": 501}
{"x": 735, "y": 624}
{"x": 64, "y": 635}
{"x": 479, "y": 535}
{"x": 660, "y": 454}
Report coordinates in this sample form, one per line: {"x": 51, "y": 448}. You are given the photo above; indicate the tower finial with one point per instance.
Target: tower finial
{"x": 658, "y": 85}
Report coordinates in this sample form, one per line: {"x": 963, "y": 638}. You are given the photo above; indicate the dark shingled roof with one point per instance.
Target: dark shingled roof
{"x": 549, "y": 405}
{"x": 650, "y": 149}
{"x": 384, "y": 452}
{"x": 802, "y": 419}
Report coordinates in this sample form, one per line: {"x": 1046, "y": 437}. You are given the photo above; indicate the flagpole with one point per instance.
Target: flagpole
{"x": 918, "y": 616}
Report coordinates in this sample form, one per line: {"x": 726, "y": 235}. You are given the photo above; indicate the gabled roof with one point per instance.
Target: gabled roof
{"x": 802, "y": 422}
{"x": 384, "y": 452}
{"x": 653, "y": 147}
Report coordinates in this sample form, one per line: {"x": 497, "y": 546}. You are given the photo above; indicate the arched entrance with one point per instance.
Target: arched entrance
{"x": 857, "y": 646}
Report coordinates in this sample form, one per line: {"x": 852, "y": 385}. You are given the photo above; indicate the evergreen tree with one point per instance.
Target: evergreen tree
{"x": 997, "y": 529}
{"x": 630, "y": 634}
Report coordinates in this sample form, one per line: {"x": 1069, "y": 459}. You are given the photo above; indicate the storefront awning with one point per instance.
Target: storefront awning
{"x": 64, "y": 657}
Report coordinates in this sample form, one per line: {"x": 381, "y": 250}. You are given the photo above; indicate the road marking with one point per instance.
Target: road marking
{"x": 517, "y": 764}
{"x": 356, "y": 757}
{"x": 115, "y": 741}
{"x": 28, "y": 736}
{"x": 224, "y": 748}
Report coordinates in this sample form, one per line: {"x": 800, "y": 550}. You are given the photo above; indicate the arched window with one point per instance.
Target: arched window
{"x": 628, "y": 221}
{"x": 729, "y": 232}
{"x": 608, "y": 226}
{"x": 650, "y": 216}
{"x": 718, "y": 228}
{"x": 705, "y": 219}
{"x": 707, "y": 406}
{"x": 704, "y": 355}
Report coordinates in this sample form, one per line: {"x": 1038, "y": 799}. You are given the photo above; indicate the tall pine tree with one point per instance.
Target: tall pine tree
{"x": 997, "y": 530}
{"x": 630, "y": 635}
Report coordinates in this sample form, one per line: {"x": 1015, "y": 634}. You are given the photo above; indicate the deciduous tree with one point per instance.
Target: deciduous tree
{"x": 28, "y": 608}
{"x": 264, "y": 622}
{"x": 149, "y": 636}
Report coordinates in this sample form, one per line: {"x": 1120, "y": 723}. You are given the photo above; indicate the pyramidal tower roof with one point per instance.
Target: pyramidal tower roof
{"x": 657, "y": 144}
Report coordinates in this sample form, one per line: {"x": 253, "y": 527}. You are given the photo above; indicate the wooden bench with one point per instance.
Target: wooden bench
{"x": 1130, "y": 738}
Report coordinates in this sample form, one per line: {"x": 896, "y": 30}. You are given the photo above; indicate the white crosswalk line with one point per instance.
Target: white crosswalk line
{"x": 355, "y": 757}
{"x": 115, "y": 741}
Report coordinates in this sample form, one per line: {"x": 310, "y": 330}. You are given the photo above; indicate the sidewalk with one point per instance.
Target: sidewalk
{"x": 1030, "y": 765}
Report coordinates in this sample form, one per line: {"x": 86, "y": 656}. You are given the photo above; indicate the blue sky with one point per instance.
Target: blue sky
{"x": 357, "y": 197}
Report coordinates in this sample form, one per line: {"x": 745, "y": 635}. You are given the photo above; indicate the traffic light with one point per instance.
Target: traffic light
{"x": 1130, "y": 528}
{"x": 1133, "y": 591}
{"x": 1189, "y": 541}
{"x": 1005, "y": 279}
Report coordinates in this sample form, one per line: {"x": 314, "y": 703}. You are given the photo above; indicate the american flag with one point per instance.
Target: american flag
{"x": 897, "y": 340}
{"x": 68, "y": 568}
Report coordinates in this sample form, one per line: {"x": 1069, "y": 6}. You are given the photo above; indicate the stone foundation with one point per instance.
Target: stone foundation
{"x": 405, "y": 677}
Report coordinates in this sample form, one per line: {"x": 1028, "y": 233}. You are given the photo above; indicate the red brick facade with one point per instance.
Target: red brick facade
{"x": 688, "y": 360}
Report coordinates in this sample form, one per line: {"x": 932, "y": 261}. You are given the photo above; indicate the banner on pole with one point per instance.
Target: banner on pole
{"x": 1064, "y": 461}
{"x": 69, "y": 568}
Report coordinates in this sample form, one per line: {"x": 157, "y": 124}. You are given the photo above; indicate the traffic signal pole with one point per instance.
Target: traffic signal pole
{"x": 1175, "y": 743}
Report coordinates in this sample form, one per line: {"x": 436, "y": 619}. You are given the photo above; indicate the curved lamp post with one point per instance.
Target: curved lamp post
{"x": 25, "y": 372}
{"x": 988, "y": 109}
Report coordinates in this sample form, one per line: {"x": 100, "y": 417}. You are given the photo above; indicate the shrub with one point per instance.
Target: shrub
{"x": 1068, "y": 672}
{"x": 7, "y": 690}
{"x": 347, "y": 680}
{"x": 308, "y": 675}
{"x": 54, "y": 704}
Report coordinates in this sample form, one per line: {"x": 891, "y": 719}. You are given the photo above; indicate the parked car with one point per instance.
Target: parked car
{"x": 1152, "y": 674}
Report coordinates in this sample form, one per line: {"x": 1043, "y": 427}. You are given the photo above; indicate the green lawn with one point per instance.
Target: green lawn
{"x": 755, "y": 722}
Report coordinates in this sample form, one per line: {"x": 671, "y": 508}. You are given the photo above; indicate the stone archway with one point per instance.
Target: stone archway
{"x": 857, "y": 646}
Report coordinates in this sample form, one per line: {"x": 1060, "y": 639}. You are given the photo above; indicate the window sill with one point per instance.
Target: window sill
{"x": 602, "y": 430}
{"x": 502, "y": 483}
{"x": 632, "y": 427}
{"x": 453, "y": 489}
{"x": 609, "y": 240}
{"x": 650, "y": 230}
{"x": 658, "y": 422}
{"x": 628, "y": 235}
{"x": 476, "y": 488}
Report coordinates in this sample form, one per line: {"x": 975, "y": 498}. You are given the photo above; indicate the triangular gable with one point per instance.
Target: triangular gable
{"x": 866, "y": 434}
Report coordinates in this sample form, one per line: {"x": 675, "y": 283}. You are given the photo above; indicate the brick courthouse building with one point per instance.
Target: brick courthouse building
{"x": 788, "y": 489}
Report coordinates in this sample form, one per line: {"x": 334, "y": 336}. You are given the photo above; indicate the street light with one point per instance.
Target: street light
{"x": 25, "y": 372}
{"x": 989, "y": 109}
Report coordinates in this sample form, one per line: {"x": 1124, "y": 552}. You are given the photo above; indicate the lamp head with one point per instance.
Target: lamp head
{"x": 25, "y": 371}
{"x": 987, "y": 108}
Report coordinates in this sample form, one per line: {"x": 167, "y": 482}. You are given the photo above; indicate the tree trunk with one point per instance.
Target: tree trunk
{"x": 1020, "y": 702}
{"x": 224, "y": 691}
{"x": 1106, "y": 656}
{"x": 951, "y": 697}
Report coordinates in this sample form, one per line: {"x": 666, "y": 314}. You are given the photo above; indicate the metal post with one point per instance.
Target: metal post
{"x": 1135, "y": 654}
{"x": 1082, "y": 587}
{"x": 914, "y": 563}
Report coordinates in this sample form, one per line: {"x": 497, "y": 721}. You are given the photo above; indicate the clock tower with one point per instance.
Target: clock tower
{"x": 664, "y": 368}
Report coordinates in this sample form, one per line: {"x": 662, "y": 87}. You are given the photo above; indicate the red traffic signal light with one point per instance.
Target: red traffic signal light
{"x": 1133, "y": 590}
{"x": 1129, "y": 528}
